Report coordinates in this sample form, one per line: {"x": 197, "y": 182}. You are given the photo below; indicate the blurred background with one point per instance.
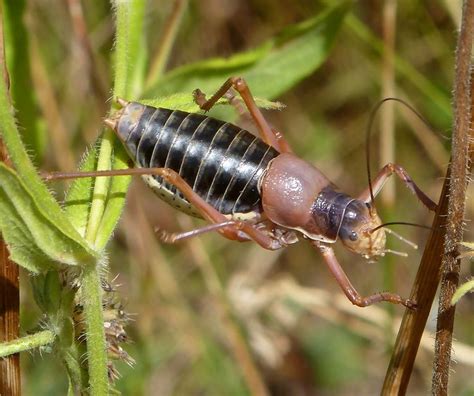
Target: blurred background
{"x": 215, "y": 317}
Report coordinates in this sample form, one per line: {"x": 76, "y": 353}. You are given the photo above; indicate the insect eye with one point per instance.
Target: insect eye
{"x": 353, "y": 236}
{"x": 367, "y": 204}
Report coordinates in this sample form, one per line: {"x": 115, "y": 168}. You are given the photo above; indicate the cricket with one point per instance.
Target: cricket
{"x": 252, "y": 188}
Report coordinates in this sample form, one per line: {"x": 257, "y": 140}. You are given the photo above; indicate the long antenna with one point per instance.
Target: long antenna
{"x": 369, "y": 133}
{"x": 399, "y": 223}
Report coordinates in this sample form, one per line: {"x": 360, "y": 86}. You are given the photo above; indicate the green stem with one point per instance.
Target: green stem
{"x": 462, "y": 290}
{"x": 122, "y": 71}
{"x": 36, "y": 340}
{"x": 91, "y": 294}
{"x": 129, "y": 17}
{"x": 129, "y": 28}
{"x": 105, "y": 153}
{"x": 129, "y": 25}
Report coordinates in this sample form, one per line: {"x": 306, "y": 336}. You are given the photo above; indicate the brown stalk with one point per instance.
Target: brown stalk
{"x": 457, "y": 201}
{"x": 92, "y": 67}
{"x": 429, "y": 273}
{"x": 387, "y": 126}
{"x": 10, "y": 380}
{"x": 423, "y": 292}
{"x": 167, "y": 39}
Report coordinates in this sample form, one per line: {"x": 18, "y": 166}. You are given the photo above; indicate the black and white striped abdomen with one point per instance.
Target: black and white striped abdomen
{"x": 220, "y": 161}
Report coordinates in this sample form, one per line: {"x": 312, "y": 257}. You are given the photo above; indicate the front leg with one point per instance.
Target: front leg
{"x": 347, "y": 287}
{"x": 387, "y": 171}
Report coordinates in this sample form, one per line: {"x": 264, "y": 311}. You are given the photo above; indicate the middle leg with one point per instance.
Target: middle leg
{"x": 267, "y": 133}
{"x": 347, "y": 287}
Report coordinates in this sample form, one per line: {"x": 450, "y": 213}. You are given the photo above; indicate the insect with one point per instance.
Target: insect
{"x": 253, "y": 188}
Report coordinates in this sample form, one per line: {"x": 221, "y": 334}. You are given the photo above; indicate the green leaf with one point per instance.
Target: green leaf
{"x": 79, "y": 195}
{"x": 185, "y": 102}
{"x": 29, "y": 196}
{"x": 116, "y": 197}
{"x": 271, "y": 69}
{"x": 22, "y": 247}
{"x": 35, "y": 242}
{"x": 462, "y": 290}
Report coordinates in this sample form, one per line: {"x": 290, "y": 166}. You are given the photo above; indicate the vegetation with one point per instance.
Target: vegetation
{"x": 210, "y": 315}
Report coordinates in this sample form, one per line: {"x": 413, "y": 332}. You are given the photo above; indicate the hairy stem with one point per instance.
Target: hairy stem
{"x": 32, "y": 341}
{"x": 91, "y": 294}
{"x": 423, "y": 292}
{"x": 457, "y": 201}
{"x": 433, "y": 261}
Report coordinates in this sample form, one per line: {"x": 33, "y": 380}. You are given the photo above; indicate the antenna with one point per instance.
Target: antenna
{"x": 373, "y": 113}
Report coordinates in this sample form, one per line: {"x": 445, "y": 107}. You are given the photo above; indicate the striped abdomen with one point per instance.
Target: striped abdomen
{"x": 220, "y": 161}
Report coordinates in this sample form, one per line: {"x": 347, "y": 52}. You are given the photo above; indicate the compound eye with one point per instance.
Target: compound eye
{"x": 353, "y": 236}
{"x": 368, "y": 205}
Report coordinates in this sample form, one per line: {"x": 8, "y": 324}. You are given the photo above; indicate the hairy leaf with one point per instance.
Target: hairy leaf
{"x": 34, "y": 240}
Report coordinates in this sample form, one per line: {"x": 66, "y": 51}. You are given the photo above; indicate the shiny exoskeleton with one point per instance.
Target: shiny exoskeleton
{"x": 220, "y": 161}
{"x": 252, "y": 188}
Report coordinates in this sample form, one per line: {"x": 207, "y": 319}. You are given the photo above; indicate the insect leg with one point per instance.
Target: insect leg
{"x": 387, "y": 171}
{"x": 240, "y": 231}
{"x": 251, "y": 233}
{"x": 268, "y": 134}
{"x": 349, "y": 290}
{"x": 173, "y": 237}
{"x": 230, "y": 95}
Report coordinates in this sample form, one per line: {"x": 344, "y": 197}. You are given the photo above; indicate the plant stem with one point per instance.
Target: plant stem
{"x": 463, "y": 290}
{"x": 457, "y": 201}
{"x": 10, "y": 375}
{"x": 166, "y": 42}
{"x": 26, "y": 343}
{"x": 423, "y": 292}
{"x": 387, "y": 112}
{"x": 405, "y": 69}
{"x": 91, "y": 294}
{"x": 129, "y": 22}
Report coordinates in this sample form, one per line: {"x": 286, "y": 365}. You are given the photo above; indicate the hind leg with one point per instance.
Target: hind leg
{"x": 234, "y": 230}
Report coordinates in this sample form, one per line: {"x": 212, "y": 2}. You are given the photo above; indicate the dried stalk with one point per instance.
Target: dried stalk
{"x": 457, "y": 201}
{"x": 429, "y": 272}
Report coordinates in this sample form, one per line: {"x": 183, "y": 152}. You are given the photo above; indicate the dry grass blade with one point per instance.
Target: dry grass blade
{"x": 387, "y": 113}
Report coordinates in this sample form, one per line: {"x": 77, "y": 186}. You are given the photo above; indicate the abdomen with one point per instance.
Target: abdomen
{"x": 220, "y": 161}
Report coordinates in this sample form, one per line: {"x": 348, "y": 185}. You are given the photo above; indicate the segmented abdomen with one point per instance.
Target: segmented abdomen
{"x": 220, "y": 161}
